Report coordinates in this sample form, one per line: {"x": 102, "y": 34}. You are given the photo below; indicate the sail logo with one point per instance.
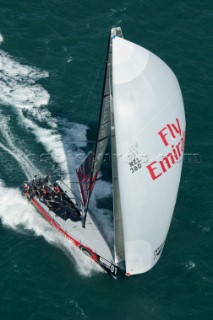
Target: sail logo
{"x": 167, "y": 134}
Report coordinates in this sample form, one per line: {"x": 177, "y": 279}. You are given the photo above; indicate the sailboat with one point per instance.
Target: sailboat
{"x": 142, "y": 116}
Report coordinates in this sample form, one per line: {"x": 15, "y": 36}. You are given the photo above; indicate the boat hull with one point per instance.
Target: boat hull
{"x": 102, "y": 262}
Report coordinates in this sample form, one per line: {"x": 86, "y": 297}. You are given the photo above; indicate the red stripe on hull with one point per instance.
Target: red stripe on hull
{"x": 93, "y": 255}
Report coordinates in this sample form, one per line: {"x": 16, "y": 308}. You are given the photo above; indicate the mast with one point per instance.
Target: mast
{"x": 119, "y": 254}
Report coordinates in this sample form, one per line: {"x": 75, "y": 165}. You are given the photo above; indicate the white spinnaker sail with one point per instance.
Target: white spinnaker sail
{"x": 149, "y": 129}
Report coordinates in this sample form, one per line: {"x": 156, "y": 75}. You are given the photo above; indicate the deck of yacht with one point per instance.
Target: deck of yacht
{"x": 90, "y": 236}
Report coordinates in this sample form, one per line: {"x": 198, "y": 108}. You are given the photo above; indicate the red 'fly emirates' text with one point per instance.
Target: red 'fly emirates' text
{"x": 157, "y": 168}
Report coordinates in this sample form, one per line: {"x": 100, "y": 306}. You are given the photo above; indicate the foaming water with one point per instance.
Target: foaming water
{"x": 190, "y": 265}
{"x": 23, "y": 161}
{"x": 51, "y": 140}
{"x": 17, "y": 84}
{"x": 18, "y": 214}
{"x": 1, "y": 38}
{"x": 44, "y": 116}
{"x": 18, "y": 90}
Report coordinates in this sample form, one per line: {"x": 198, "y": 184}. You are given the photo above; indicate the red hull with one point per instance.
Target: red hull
{"x": 106, "y": 265}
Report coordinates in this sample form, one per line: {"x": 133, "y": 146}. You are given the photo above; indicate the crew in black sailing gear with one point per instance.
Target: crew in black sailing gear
{"x": 46, "y": 178}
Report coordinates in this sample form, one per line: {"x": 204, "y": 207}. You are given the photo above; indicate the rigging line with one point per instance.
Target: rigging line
{"x": 107, "y": 137}
{"x": 108, "y": 94}
{"x": 103, "y": 123}
{"x": 94, "y": 111}
{"x": 90, "y": 94}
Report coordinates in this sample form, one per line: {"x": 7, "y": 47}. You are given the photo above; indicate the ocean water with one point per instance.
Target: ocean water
{"x": 51, "y": 69}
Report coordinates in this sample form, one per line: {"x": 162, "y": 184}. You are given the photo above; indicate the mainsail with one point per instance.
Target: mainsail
{"x": 88, "y": 171}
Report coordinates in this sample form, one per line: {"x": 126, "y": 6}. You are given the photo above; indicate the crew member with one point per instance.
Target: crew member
{"x": 46, "y": 178}
{"x": 26, "y": 188}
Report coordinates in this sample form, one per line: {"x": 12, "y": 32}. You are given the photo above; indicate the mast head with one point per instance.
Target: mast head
{"x": 116, "y": 32}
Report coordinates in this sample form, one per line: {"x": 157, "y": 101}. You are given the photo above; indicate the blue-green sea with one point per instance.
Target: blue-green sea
{"x": 52, "y": 57}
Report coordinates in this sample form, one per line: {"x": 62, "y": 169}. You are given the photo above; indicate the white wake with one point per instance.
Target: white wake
{"x": 17, "y": 214}
{"x": 19, "y": 90}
